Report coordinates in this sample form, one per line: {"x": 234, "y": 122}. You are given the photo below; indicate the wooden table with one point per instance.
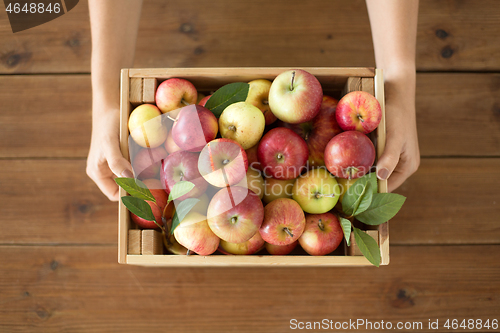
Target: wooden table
{"x": 58, "y": 233}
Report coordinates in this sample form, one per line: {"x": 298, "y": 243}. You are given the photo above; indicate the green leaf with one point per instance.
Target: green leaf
{"x": 181, "y": 210}
{"x": 372, "y": 178}
{"x": 364, "y": 200}
{"x": 139, "y": 207}
{"x": 135, "y": 188}
{"x": 354, "y": 195}
{"x": 368, "y": 246}
{"x": 383, "y": 208}
{"x": 227, "y": 95}
{"x": 346, "y": 227}
{"x": 179, "y": 189}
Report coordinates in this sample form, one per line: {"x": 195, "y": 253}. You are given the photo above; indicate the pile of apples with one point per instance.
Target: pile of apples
{"x": 268, "y": 172}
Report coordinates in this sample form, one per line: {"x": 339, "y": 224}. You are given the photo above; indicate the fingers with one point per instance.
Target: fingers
{"x": 118, "y": 164}
{"x": 389, "y": 159}
{"x": 108, "y": 186}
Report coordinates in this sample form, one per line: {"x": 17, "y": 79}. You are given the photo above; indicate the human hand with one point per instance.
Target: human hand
{"x": 105, "y": 160}
{"x": 401, "y": 157}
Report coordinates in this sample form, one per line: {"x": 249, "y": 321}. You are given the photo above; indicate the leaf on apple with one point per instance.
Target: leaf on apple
{"x": 372, "y": 178}
{"x": 139, "y": 207}
{"x": 346, "y": 228}
{"x": 227, "y": 95}
{"x": 359, "y": 194}
{"x": 368, "y": 246}
{"x": 382, "y": 208}
{"x": 181, "y": 210}
{"x": 179, "y": 189}
{"x": 136, "y": 189}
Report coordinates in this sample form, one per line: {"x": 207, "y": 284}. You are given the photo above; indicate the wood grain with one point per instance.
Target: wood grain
{"x": 452, "y": 35}
{"x": 79, "y": 288}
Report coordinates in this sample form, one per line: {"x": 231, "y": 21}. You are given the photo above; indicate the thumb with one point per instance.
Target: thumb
{"x": 388, "y": 161}
{"x": 118, "y": 164}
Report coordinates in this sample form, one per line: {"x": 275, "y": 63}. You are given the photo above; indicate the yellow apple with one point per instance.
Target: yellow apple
{"x": 145, "y": 126}
{"x": 254, "y": 182}
{"x": 277, "y": 188}
{"x": 243, "y": 123}
{"x": 258, "y": 95}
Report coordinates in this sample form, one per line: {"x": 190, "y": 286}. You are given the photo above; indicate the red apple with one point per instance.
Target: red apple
{"x": 282, "y": 153}
{"x": 235, "y": 214}
{"x": 284, "y": 222}
{"x": 173, "y": 94}
{"x": 349, "y": 155}
{"x": 251, "y": 246}
{"x": 204, "y": 100}
{"x": 194, "y": 234}
{"x": 319, "y": 131}
{"x": 295, "y": 96}
{"x": 147, "y": 162}
{"x": 358, "y": 111}
{"x": 281, "y": 250}
{"x": 182, "y": 165}
{"x": 161, "y": 197}
{"x": 223, "y": 162}
{"x": 253, "y": 161}
{"x": 170, "y": 145}
{"x": 194, "y": 128}
{"x": 322, "y": 234}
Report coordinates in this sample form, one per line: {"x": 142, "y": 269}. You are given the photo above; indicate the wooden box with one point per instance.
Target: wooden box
{"x": 138, "y": 86}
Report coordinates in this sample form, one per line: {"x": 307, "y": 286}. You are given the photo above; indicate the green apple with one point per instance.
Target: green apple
{"x": 243, "y": 123}
{"x": 316, "y": 191}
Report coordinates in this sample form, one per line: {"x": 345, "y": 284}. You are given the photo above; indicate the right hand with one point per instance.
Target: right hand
{"x": 105, "y": 160}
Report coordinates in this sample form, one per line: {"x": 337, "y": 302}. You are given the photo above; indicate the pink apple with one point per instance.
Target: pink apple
{"x": 194, "y": 234}
{"x": 284, "y": 222}
{"x": 235, "y": 214}
{"x": 179, "y": 166}
{"x": 281, "y": 250}
{"x": 170, "y": 145}
{"x": 223, "y": 162}
{"x": 161, "y": 197}
{"x": 318, "y": 131}
{"x": 322, "y": 234}
{"x": 173, "y": 94}
{"x": 349, "y": 155}
{"x": 147, "y": 162}
{"x": 358, "y": 111}
{"x": 282, "y": 153}
{"x": 251, "y": 246}
{"x": 194, "y": 128}
{"x": 295, "y": 96}
{"x": 204, "y": 100}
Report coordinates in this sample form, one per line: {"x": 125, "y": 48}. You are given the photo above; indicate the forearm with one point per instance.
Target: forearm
{"x": 114, "y": 25}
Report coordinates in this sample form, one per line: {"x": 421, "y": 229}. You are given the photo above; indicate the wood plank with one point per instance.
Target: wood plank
{"x": 452, "y": 35}
{"x": 136, "y": 90}
{"x": 151, "y": 242}
{"x": 450, "y": 201}
{"x": 149, "y": 91}
{"x": 82, "y": 288}
{"x": 134, "y": 241}
{"x": 53, "y": 201}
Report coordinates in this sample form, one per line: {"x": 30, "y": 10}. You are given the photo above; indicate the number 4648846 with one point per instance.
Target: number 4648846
{"x": 471, "y": 324}
{"x": 33, "y": 8}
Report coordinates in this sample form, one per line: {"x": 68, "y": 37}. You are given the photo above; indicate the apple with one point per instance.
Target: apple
{"x": 173, "y": 94}
{"x": 358, "y": 111}
{"x": 316, "y": 191}
{"x": 282, "y": 153}
{"x": 251, "y": 246}
{"x": 281, "y": 250}
{"x": 258, "y": 95}
{"x": 295, "y": 96}
{"x": 223, "y": 162}
{"x": 254, "y": 182}
{"x": 318, "y": 131}
{"x": 235, "y": 214}
{"x": 182, "y": 165}
{"x": 349, "y": 155}
{"x": 243, "y": 123}
{"x": 161, "y": 197}
{"x": 204, "y": 100}
{"x": 284, "y": 222}
{"x": 322, "y": 234}
{"x": 253, "y": 161}
{"x": 171, "y": 244}
{"x": 277, "y": 188}
{"x": 202, "y": 205}
{"x": 194, "y": 234}
{"x": 194, "y": 128}
{"x": 147, "y": 162}
{"x": 145, "y": 126}
{"x": 345, "y": 185}
{"x": 170, "y": 145}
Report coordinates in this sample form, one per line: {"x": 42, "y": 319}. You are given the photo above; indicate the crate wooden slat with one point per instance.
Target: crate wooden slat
{"x": 332, "y": 79}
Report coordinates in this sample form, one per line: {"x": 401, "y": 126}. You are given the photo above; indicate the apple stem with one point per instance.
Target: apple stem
{"x": 349, "y": 170}
{"x": 181, "y": 177}
{"x": 361, "y": 118}
{"x": 288, "y": 232}
{"x": 173, "y": 119}
{"x": 318, "y": 195}
{"x": 291, "y": 83}
{"x": 232, "y": 128}
{"x": 321, "y": 225}
{"x": 329, "y": 195}
{"x": 279, "y": 156}
{"x": 184, "y": 102}
{"x": 265, "y": 102}
{"x": 234, "y": 220}
{"x": 188, "y": 252}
